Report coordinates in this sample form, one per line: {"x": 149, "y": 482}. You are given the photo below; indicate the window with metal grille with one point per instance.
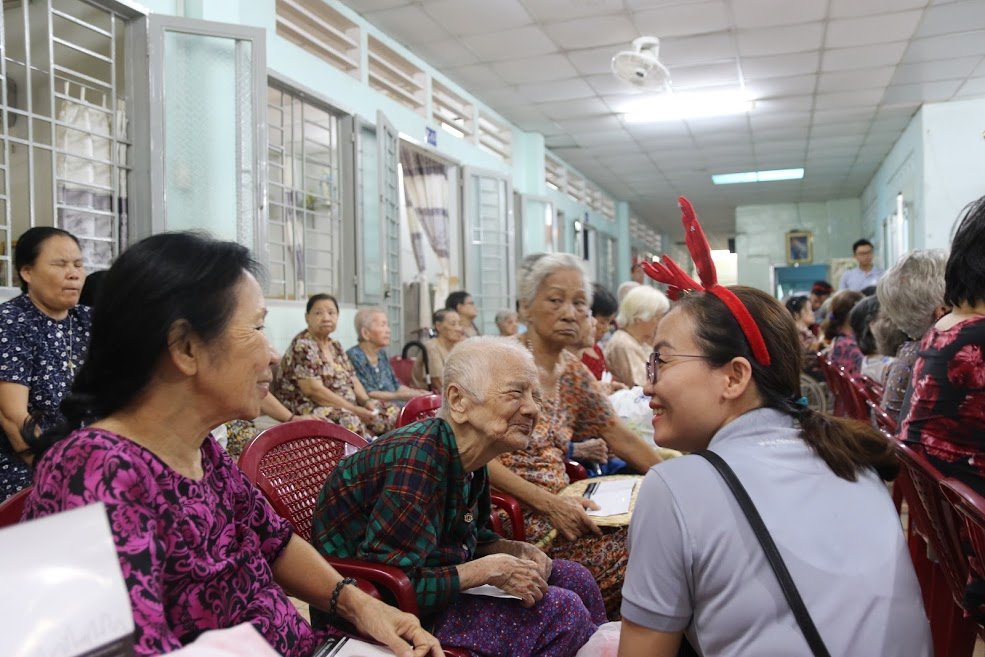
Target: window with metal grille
{"x": 304, "y": 223}
{"x": 63, "y": 134}
{"x": 553, "y": 173}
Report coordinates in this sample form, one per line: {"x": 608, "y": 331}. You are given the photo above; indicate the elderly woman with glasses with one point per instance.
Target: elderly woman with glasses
{"x": 554, "y": 297}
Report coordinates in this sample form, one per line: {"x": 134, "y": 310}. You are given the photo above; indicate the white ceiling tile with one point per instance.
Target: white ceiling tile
{"x": 475, "y": 77}
{"x": 885, "y": 28}
{"x": 502, "y": 97}
{"x": 864, "y": 97}
{"x": 708, "y": 75}
{"x": 851, "y": 8}
{"x": 590, "y": 32}
{"x": 842, "y": 59}
{"x": 676, "y": 130}
{"x": 523, "y": 42}
{"x": 607, "y": 83}
{"x": 980, "y": 71}
{"x": 973, "y": 87}
{"x": 866, "y": 78}
{"x": 549, "y": 11}
{"x": 602, "y": 137}
{"x": 844, "y": 115}
{"x": 545, "y": 127}
{"x": 595, "y": 61}
{"x": 620, "y": 103}
{"x": 787, "y": 104}
{"x": 567, "y": 109}
{"x": 951, "y": 18}
{"x": 841, "y": 129}
{"x": 684, "y": 20}
{"x": 578, "y": 126}
{"x": 942, "y": 69}
{"x": 928, "y": 92}
{"x": 797, "y": 85}
{"x": 444, "y": 53}
{"x": 945, "y": 47}
{"x": 535, "y": 69}
{"x": 767, "y": 13}
{"x": 772, "y": 134}
{"x": 780, "y": 40}
{"x": 780, "y": 120}
{"x": 464, "y": 17}
{"x": 413, "y": 25}
{"x": 688, "y": 51}
{"x": 755, "y": 68}
{"x": 526, "y": 114}
{"x": 364, "y": 6}
{"x": 543, "y": 92}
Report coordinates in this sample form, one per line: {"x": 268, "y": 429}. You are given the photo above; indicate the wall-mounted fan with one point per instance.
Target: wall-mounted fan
{"x": 641, "y": 66}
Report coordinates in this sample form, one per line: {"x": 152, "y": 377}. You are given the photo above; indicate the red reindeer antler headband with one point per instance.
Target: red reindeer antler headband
{"x": 667, "y": 271}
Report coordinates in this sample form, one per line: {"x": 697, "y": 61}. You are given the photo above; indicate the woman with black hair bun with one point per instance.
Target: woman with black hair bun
{"x": 178, "y": 348}
{"x": 45, "y": 335}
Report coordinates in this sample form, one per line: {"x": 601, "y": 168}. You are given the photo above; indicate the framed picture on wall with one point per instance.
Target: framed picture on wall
{"x": 800, "y": 247}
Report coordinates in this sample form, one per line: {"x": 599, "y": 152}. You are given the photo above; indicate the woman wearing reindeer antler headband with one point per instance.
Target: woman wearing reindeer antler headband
{"x": 725, "y": 377}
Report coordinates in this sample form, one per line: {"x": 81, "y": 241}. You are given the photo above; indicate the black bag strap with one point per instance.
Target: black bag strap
{"x": 772, "y": 554}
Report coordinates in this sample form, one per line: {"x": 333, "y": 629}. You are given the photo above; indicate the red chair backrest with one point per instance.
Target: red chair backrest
{"x": 402, "y": 368}
{"x": 858, "y": 397}
{"x": 941, "y": 521}
{"x": 971, "y": 506}
{"x": 12, "y": 507}
{"x": 290, "y": 463}
{"x": 419, "y": 408}
{"x": 575, "y": 470}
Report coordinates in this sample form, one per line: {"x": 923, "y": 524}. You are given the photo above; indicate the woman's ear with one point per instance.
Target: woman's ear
{"x": 458, "y": 403}
{"x": 739, "y": 376}
{"x": 184, "y": 347}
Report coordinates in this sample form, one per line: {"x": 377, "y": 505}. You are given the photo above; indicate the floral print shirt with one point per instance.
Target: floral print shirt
{"x": 580, "y": 410}
{"x": 196, "y": 555}
{"x": 303, "y": 360}
{"x": 845, "y": 353}
{"x": 898, "y": 376}
{"x": 947, "y": 407}
{"x": 42, "y": 354}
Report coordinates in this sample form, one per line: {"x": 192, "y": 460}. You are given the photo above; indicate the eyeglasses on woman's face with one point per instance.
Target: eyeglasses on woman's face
{"x": 655, "y": 362}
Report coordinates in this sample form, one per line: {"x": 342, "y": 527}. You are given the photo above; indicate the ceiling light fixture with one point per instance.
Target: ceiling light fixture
{"x": 757, "y": 176}
{"x": 676, "y": 106}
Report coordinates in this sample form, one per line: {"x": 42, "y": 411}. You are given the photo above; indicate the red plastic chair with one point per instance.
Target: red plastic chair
{"x": 971, "y": 507}
{"x": 944, "y": 577}
{"x": 511, "y": 507}
{"x": 12, "y": 508}
{"x": 419, "y": 408}
{"x": 289, "y": 463}
{"x": 576, "y": 471}
{"x": 402, "y": 368}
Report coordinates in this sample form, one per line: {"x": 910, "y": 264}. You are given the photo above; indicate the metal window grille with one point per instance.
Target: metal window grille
{"x": 304, "y": 224}
{"x": 63, "y": 134}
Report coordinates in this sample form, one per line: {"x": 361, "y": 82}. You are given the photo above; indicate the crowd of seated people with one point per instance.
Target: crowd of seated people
{"x": 135, "y": 434}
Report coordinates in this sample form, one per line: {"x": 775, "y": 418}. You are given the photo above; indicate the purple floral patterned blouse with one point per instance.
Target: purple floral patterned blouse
{"x": 196, "y": 555}
{"x": 845, "y": 352}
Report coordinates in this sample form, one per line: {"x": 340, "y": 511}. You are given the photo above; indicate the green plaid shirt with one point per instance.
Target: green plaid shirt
{"x": 406, "y": 501}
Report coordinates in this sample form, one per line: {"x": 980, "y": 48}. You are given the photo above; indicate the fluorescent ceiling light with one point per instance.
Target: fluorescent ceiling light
{"x": 757, "y": 176}
{"x": 676, "y": 106}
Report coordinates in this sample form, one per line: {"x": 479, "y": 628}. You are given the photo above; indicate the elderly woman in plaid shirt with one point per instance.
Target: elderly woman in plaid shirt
{"x": 418, "y": 499}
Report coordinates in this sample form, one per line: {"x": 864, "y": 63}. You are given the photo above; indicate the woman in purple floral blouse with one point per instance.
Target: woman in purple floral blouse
{"x": 177, "y": 348}
{"x": 844, "y": 351}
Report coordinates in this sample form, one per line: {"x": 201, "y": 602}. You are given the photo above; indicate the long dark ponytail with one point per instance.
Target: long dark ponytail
{"x": 161, "y": 280}
{"x": 847, "y": 446}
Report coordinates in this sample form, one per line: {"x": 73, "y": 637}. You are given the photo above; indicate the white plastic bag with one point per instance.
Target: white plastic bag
{"x": 633, "y": 407}
{"x": 604, "y": 643}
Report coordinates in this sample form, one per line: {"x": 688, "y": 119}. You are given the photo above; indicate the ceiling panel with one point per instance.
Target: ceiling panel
{"x": 835, "y": 84}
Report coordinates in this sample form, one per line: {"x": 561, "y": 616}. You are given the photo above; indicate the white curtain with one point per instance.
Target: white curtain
{"x": 426, "y": 204}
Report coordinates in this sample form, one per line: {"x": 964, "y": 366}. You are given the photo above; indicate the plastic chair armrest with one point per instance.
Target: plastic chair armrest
{"x": 390, "y": 578}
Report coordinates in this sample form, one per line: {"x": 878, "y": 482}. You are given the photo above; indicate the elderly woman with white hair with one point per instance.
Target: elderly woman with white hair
{"x": 418, "y": 499}
{"x": 911, "y": 295}
{"x": 371, "y": 362}
{"x": 554, "y": 295}
{"x": 629, "y": 348}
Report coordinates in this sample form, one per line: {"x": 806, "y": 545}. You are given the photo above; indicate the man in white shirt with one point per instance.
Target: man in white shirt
{"x": 866, "y": 274}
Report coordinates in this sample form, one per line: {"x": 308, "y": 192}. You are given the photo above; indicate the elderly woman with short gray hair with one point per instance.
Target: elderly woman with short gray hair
{"x": 628, "y": 349}
{"x": 371, "y": 362}
{"x": 911, "y": 295}
{"x": 418, "y": 499}
{"x": 576, "y": 420}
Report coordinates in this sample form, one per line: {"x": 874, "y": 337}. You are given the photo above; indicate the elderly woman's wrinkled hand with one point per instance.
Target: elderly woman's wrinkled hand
{"x": 519, "y": 577}
{"x": 365, "y": 414}
{"x": 400, "y": 631}
{"x": 568, "y": 516}
{"x": 593, "y": 451}
{"x": 525, "y": 550}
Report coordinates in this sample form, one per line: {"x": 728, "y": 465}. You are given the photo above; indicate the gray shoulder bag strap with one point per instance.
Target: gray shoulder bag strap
{"x": 772, "y": 554}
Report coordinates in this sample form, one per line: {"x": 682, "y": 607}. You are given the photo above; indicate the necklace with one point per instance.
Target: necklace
{"x": 68, "y": 345}
{"x": 558, "y": 369}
